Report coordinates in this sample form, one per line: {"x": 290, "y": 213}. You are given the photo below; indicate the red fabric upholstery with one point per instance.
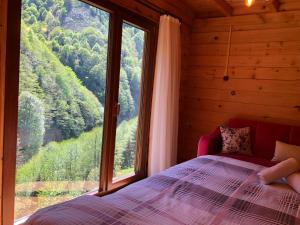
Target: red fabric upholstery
{"x": 210, "y": 144}
{"x": 259, "y": 161}
{"x": 295, "y": 136}
{"x": 266, "y": 136}
{"x": 263, "y": 139}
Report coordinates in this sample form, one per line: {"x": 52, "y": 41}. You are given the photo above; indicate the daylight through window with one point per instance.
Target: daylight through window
{"x": 85, "y": 83}
{"x": 63, "y": 61}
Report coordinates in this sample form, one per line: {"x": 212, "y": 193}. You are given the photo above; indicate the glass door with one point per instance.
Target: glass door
{"x": 77, "y": 109}
{"x": 62, "y": 88}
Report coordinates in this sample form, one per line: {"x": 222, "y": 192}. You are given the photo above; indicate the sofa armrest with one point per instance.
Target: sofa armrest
{"x": 210, "y": 144}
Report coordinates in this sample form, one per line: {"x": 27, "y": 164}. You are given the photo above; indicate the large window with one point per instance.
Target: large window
{"x": 62, "y": 80}
{"x": 85, "y": 81}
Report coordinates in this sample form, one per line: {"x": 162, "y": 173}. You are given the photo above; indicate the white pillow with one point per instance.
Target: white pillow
{"x": 282, "y": 169}
{"x": 284, "y": 151}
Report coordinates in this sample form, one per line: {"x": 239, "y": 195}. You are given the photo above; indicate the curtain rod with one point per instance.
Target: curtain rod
{"x": 157, "y": 9}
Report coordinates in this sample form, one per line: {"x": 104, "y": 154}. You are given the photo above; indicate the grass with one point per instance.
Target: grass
{"x": 124, "y": 172}
{"x": 31, "y": 196}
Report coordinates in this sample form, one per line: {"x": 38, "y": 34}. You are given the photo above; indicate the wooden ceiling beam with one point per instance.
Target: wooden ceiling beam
{"x": 273, "y": 5}
{"x": 177, "y": 8}
{"x": 224, "y": 7}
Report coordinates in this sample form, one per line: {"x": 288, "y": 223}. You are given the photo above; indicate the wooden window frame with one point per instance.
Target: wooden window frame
{"x": 118, "y": 15}
{"x": 147, "y": 79}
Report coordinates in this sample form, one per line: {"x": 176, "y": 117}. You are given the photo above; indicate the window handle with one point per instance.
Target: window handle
{"x": 116, "y": 109}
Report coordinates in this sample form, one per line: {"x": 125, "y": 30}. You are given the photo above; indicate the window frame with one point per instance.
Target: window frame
{"x": 118, "y": 15}
{"x": 144, "y": 115}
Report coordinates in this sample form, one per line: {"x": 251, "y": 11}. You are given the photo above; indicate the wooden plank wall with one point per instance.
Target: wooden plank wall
{"x": 264, "y": 74}
{"x": 186, "y": 32}
{"x": 2, "y": 53}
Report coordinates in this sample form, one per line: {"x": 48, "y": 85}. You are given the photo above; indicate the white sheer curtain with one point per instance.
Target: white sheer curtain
{"x": 164, "y": 115}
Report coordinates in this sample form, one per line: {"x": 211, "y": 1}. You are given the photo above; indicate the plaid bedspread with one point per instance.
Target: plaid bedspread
{"x": 205, "y": 190}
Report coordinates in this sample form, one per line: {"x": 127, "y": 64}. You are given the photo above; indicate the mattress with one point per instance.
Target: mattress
{"x": 205, "y": 190}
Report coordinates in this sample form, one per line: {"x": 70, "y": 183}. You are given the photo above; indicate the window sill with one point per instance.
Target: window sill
{"x": 22, "y": 220}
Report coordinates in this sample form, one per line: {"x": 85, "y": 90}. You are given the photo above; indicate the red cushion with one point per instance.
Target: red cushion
{"x": 240, "y": 123}
{"x": 266, "y": 136}
{"x": 210, "y": 144}
{"x": 295, "y": 136}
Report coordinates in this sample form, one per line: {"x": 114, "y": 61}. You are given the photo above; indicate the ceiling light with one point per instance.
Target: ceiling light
{"x": 249, "y": 3}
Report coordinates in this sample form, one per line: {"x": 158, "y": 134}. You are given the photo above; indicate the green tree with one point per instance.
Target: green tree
{"x": 68, "y": 5}
{"x": 43, "y": 14}
{"x": 125, "y": 99}
{"x": 128, "y": 155}
{"x": 64, "y": 66}
{"x": 70, "y": 108}
{"x": 51, "y": 21}
{"x": 73, "y": 160}
{"x": 135, "y": 88}
{"x": 31, "y": 123}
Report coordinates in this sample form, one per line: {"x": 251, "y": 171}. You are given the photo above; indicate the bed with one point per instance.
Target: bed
{"x": 209, "y": 189}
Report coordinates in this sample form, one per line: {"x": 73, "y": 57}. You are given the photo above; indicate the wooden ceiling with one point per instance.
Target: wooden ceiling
{"x": 219, "y": 8}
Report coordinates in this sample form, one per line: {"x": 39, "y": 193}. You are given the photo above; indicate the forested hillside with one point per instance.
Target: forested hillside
{"x": 53, "y": 103}
{"x": 63, "y": 59}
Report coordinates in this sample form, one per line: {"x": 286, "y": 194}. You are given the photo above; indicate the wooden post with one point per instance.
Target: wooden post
{"x": 3, "y": 7}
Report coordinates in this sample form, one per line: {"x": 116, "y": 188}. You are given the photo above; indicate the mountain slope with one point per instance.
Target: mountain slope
{"x": 69, "y": 107}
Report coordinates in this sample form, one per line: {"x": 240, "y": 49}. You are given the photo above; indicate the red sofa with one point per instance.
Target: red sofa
{"x": 263, "y": 140}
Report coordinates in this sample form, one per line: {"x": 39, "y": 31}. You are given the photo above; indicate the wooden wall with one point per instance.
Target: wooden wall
{"x": 2, "y": 53}
{"x": 264, "y": 74}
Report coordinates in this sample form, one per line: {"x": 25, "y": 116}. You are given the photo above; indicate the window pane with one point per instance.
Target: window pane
{"x": 63, "y": 59}
{"x": 129, "y": 95}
